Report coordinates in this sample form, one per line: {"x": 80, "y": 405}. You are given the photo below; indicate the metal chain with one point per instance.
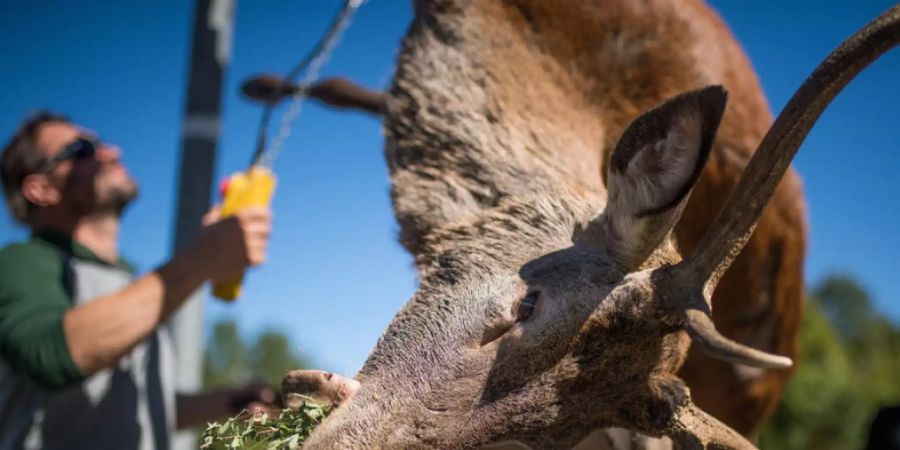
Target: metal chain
{"x": 318, "y": 60}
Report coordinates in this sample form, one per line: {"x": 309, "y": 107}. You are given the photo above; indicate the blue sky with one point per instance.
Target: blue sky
{"x": 336, "y": 274}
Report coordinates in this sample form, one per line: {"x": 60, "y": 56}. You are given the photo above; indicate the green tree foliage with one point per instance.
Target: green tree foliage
{"x": 847, "y": 369}
{"x": 820, "y": 399}
{"x": 225, "y": 359}
{"x": 846, "y": 305}
{"x": 229, "y": 360}
{"x": 271, "y": 357}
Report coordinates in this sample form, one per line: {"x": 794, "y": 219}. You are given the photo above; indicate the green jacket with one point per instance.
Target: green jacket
{"x": 45, "y": 402}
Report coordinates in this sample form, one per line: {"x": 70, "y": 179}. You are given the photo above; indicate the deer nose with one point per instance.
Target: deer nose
{"x": 326, "y": 388}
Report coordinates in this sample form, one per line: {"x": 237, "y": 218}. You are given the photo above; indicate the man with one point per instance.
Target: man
{"x": 84, "y": 359}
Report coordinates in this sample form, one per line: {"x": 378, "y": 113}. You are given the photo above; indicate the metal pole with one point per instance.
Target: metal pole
{"x": 211, "y": 48}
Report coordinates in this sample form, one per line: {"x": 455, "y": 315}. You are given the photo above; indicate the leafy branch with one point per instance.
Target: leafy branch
{"x": 256, "y": 431}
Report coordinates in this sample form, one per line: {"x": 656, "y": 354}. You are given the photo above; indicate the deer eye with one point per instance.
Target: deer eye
{"x": 526, "y": 306}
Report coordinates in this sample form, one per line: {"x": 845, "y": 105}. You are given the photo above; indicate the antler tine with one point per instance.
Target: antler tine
{"x": 735, "y": 223}
{"x": 703, "y": 333}
{"x": 695, "y": 429}
{"x": 692, "y": 304}
{"x": 704, "y": 267}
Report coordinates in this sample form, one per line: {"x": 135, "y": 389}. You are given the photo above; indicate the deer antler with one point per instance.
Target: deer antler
{"x": 715, "y": 252}
{"x": 695, "y": 429}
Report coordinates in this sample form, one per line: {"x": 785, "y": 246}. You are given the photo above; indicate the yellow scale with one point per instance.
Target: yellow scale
{"x": 244, "y": 190}
{"x": 255, "y": 187}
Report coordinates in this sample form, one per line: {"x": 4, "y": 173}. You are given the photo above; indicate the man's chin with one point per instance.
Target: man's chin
{"x": 118, "y": 200}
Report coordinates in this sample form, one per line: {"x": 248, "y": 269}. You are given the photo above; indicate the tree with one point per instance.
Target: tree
{"x": 846, "y": 305}
{"x": 819, "y": 408}
{"x": 229, "y": 360}
{"x": 847, "y": 370}
{"x": 225, "y": 359}
{"x": 271, "y": 357}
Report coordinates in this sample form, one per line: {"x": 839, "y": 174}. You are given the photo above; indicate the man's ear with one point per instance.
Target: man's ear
{"x": 655, "y": 165}
{"x": 37, "y": 189}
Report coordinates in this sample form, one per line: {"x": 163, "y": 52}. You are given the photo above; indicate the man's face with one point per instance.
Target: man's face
{"x": 87, "y": 185}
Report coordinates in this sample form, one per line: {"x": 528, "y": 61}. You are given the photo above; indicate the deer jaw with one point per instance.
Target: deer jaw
{"x": 465, "y": 363}
{"x": 455, "y": 369}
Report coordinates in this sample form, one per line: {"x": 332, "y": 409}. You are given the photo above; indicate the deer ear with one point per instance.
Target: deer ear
{"x": 655, "y": 165}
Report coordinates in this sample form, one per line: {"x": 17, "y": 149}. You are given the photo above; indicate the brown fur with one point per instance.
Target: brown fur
{"x": 500, "y": 126}
{"x": 551, "y": 80}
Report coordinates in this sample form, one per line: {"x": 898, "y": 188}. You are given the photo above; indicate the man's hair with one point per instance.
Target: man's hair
{"x": 20, "y": 157}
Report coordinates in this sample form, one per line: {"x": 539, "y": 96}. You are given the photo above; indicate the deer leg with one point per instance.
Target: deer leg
{"x": 335, "y": 92}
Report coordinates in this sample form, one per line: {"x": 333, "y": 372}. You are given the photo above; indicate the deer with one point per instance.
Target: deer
{"x": 581, "y": 184}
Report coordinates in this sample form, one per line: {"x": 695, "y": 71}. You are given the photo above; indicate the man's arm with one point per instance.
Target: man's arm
{"x": 33, "y": 302}
{"x": 194, "y": 410}
{"x": 100, "y": 332}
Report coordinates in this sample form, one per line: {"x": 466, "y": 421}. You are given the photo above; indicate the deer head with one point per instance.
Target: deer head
{"x": 547, "y": 316}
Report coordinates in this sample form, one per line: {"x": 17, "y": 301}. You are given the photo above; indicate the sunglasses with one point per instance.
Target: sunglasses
{"x": 80, "y": 148}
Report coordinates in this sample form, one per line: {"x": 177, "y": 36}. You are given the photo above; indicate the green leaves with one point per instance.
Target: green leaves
{"x": 847, "y": 370}
{"x": 258, "y": 432}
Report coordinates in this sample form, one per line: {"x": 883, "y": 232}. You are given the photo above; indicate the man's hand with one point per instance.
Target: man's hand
{"x": 198, "y": 409}
{"x": 255, "y": 397}
{"x": 100, "y": 332}
{"x": 225, "y": 247}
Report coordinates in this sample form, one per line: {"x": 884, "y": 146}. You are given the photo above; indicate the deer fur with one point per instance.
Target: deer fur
{"x": 541, "y": 107}
{"x": 501, "y": 127}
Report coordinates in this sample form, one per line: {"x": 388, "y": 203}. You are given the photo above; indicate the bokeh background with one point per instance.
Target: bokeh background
{"x": 336, "y": 274}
